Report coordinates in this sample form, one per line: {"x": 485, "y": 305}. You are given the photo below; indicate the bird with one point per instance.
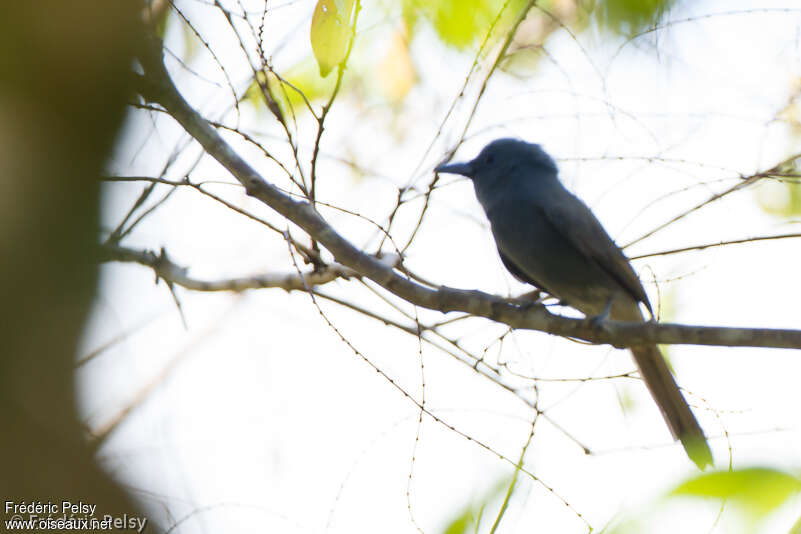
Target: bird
{"x": 547, "y": 237}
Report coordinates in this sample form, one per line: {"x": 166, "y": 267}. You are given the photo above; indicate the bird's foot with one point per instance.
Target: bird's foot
{"x": 527, "y": 300}
{"x": 599, "y": 321}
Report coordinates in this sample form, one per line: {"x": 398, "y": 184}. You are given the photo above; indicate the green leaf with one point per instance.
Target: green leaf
{"x": 462, "y": 523}
{"x": 469, "y": 517}
{"x": 628, "y": 17}
{"x": 460, "y": 23}
{"x": 330, "y": 31}
{"x": 757, "y": 490}
{"x": 304, "y": 76}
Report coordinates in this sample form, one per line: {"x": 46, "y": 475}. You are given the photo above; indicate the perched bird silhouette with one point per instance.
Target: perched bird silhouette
{"x": 549, "y": 238}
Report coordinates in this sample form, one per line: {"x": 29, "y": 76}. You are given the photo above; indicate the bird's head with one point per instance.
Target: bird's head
{"x": 499, "y": 160}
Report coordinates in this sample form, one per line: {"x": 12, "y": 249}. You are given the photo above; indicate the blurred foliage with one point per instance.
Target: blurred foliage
{"x": 791, "y": 112}
{"x": 781, "y": 197}
{"x": 468, "y": 519}
{"x": 395, "y": 72}
{"x": 463, "y": 523}
{"x": 629, "y": 17}
{"x": 754, "y": 493}
{"x": 391, "y": 76}
{"x": 796, "y": 528}
{"x": 751, "y": 494}
{"x": 757, "y": 491}
{"x": 303, "y": 79}
{"x": 461, "y": 24}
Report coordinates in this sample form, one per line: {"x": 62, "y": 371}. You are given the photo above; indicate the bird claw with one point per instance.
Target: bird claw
{"x": 599, "y": 321}
{"x": 527, "y": 300}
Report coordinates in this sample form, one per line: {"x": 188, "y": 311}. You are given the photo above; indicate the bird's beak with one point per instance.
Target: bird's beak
{"x": 465, "y": 169}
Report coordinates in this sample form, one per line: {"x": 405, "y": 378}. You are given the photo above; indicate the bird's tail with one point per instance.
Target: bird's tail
{"x": 678, "y": 416}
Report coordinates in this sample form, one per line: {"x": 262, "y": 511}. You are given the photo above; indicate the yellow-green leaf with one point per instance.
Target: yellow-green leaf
{"x": 330, "y": 31}
{"x": 303, "y": 77}
{"x": 758, "y": 490}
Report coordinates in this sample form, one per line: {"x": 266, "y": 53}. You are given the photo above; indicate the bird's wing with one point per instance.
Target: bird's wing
{"x": 518, "y": 273}
{"x": 572, "y": 219}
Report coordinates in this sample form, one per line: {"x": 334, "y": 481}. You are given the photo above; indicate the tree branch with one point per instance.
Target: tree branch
{"x": 157, "y": 86}
{"x": 173, "y": 273}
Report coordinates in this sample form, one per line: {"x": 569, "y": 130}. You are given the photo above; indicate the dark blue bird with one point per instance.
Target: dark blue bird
{"x": 549, "y": 238}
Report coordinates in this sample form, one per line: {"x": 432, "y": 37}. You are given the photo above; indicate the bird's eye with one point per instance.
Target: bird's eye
{"x": 490, "y": 159}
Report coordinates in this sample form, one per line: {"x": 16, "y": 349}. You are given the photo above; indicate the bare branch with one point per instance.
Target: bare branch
{"x": 745, "y": 181}
{"x": 173, "y": 273}
{"x": 717, "y": 244}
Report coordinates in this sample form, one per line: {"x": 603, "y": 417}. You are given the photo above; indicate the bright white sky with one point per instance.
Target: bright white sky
{"x": 269, "y": 423}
